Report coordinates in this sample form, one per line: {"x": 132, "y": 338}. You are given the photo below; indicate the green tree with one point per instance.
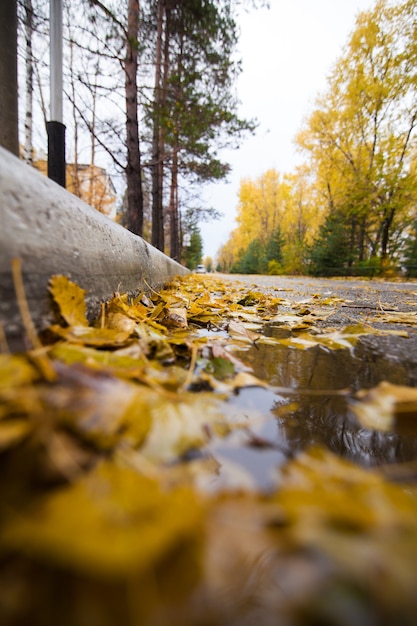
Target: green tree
{"x": 274, "y": 248}
{"x": 194, "y": 252}
{"x": 252, "y": 260}
{"x": 330, "y": 253}
{"x": 410, "y": 252}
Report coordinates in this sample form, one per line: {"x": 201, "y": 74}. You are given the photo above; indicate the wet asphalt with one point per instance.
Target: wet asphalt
{"x": 361, "y": 301}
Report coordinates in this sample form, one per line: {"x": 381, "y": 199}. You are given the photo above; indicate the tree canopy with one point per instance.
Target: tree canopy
{"x": 360, "y": 181}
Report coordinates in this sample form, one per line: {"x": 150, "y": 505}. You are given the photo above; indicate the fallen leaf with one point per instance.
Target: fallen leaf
{"x": 70, "y": 299}
{"x": 15, "y": 371}
{"x": 175, "y": 317}
{"x": 245, "y": 379}
{"x": 98, "y": 337}
{"x": 407, "y": 318}
{"x": 379, "y": 408}
{"x": 180, "y": 425}
{"x": 111, "y": 524}
{"x": 13, "y": 431}
{"x": 238, "y": 330}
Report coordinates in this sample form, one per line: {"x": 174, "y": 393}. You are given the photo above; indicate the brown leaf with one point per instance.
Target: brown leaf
{"x": 175, "y": 317}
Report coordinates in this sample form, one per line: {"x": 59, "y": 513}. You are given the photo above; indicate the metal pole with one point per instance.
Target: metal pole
{"x": 9, "y": 138}
{"x": 55, "y": 127}
{"x": 55, "y": 17}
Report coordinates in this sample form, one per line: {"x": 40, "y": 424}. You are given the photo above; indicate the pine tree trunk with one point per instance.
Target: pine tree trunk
{"x": 133, "y": 166}
{"x": 386, "y": 227}
{"x": 157, "y": 143}
{"x": 173, "y": 209}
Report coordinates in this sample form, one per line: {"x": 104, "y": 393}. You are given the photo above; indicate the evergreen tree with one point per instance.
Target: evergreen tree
{"x": 274, "y": 247}
{"x": 194, "y": 252}
{"x": 410, "y": 253}
{"x": 330, "y": 253}
{"x": 253, "y": 259}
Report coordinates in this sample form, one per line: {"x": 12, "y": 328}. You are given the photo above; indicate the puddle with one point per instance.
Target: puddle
{"x": 312, "y": 413}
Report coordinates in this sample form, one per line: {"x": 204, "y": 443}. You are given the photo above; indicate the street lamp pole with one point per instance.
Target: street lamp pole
{"x": 55, "y": 127}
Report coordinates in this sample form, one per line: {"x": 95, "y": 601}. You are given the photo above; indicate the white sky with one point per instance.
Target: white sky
{"x": 287, "y": 53}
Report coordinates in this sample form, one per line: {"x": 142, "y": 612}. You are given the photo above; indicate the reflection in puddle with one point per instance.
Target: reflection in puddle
{"x": 314, "y": 415}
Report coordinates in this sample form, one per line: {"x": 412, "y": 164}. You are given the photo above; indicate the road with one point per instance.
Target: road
{"x": 372, "y": 302}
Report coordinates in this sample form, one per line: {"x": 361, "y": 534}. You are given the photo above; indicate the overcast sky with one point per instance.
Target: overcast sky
{"x": 287, "y": 53}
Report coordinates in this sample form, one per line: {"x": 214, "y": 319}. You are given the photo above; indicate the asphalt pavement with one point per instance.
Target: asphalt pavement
{"x": 356, "y": 301}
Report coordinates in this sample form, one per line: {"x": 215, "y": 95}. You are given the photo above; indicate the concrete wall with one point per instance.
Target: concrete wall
{"x": 53, "y": 232}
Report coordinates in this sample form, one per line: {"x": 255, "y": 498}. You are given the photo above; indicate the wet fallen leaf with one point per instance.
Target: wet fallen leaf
{"x": 99, "y": 337}
{"x": 15, "y": 371}
{"x": 379, "y": 408}
{"x": 180, "y": 425}
{"x": 112, "y": 523}
{"x": 175, "y": 317}
{"x": 407, "y": 318}
{"x": 245, "y": 379}
{"x": 238, "y": 330}
{"x": 13, "y": 431}
{"x": 70, "y": 299}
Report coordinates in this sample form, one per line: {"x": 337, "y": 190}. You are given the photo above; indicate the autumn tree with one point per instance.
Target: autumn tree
{"x": 276, "y": 222}
{"x": 361, "y": 137}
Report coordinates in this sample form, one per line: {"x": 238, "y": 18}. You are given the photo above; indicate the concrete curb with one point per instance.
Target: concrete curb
{"x": 54, "y": 232}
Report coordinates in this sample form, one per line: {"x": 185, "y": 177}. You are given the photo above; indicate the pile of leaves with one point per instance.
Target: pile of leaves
{"x": 113, "y": 509}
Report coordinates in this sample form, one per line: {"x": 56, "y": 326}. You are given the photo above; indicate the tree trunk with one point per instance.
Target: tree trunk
{"x": 362, "y": 233}
{"x": 352, "y": 243}
{"x": 9, "y": 137}
{"x": 133, "y": 165}
{"x": 157, "y": 143}
{"x": 386, "y": 227}
{"x": 173, "y": 209}
{"x": 91, "y": 185}
{"x": 28, "y": 148}
{"x": 76, "y": 187}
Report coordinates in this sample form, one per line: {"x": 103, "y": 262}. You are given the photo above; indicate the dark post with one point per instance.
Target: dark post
{"x": 56, "y": 152}
{"x": 55, "y": 128}
{"x": 9, "y": 137}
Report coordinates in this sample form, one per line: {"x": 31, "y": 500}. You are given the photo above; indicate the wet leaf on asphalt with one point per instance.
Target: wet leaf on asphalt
{"x": 381, "y": 407}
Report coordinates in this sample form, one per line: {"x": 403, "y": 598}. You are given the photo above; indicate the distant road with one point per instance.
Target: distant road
{"x": 390, "y": 291}
{"x": 354, "y": 301}
{"x": 375, "y": 294}
{"x": 359, "y": 297}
